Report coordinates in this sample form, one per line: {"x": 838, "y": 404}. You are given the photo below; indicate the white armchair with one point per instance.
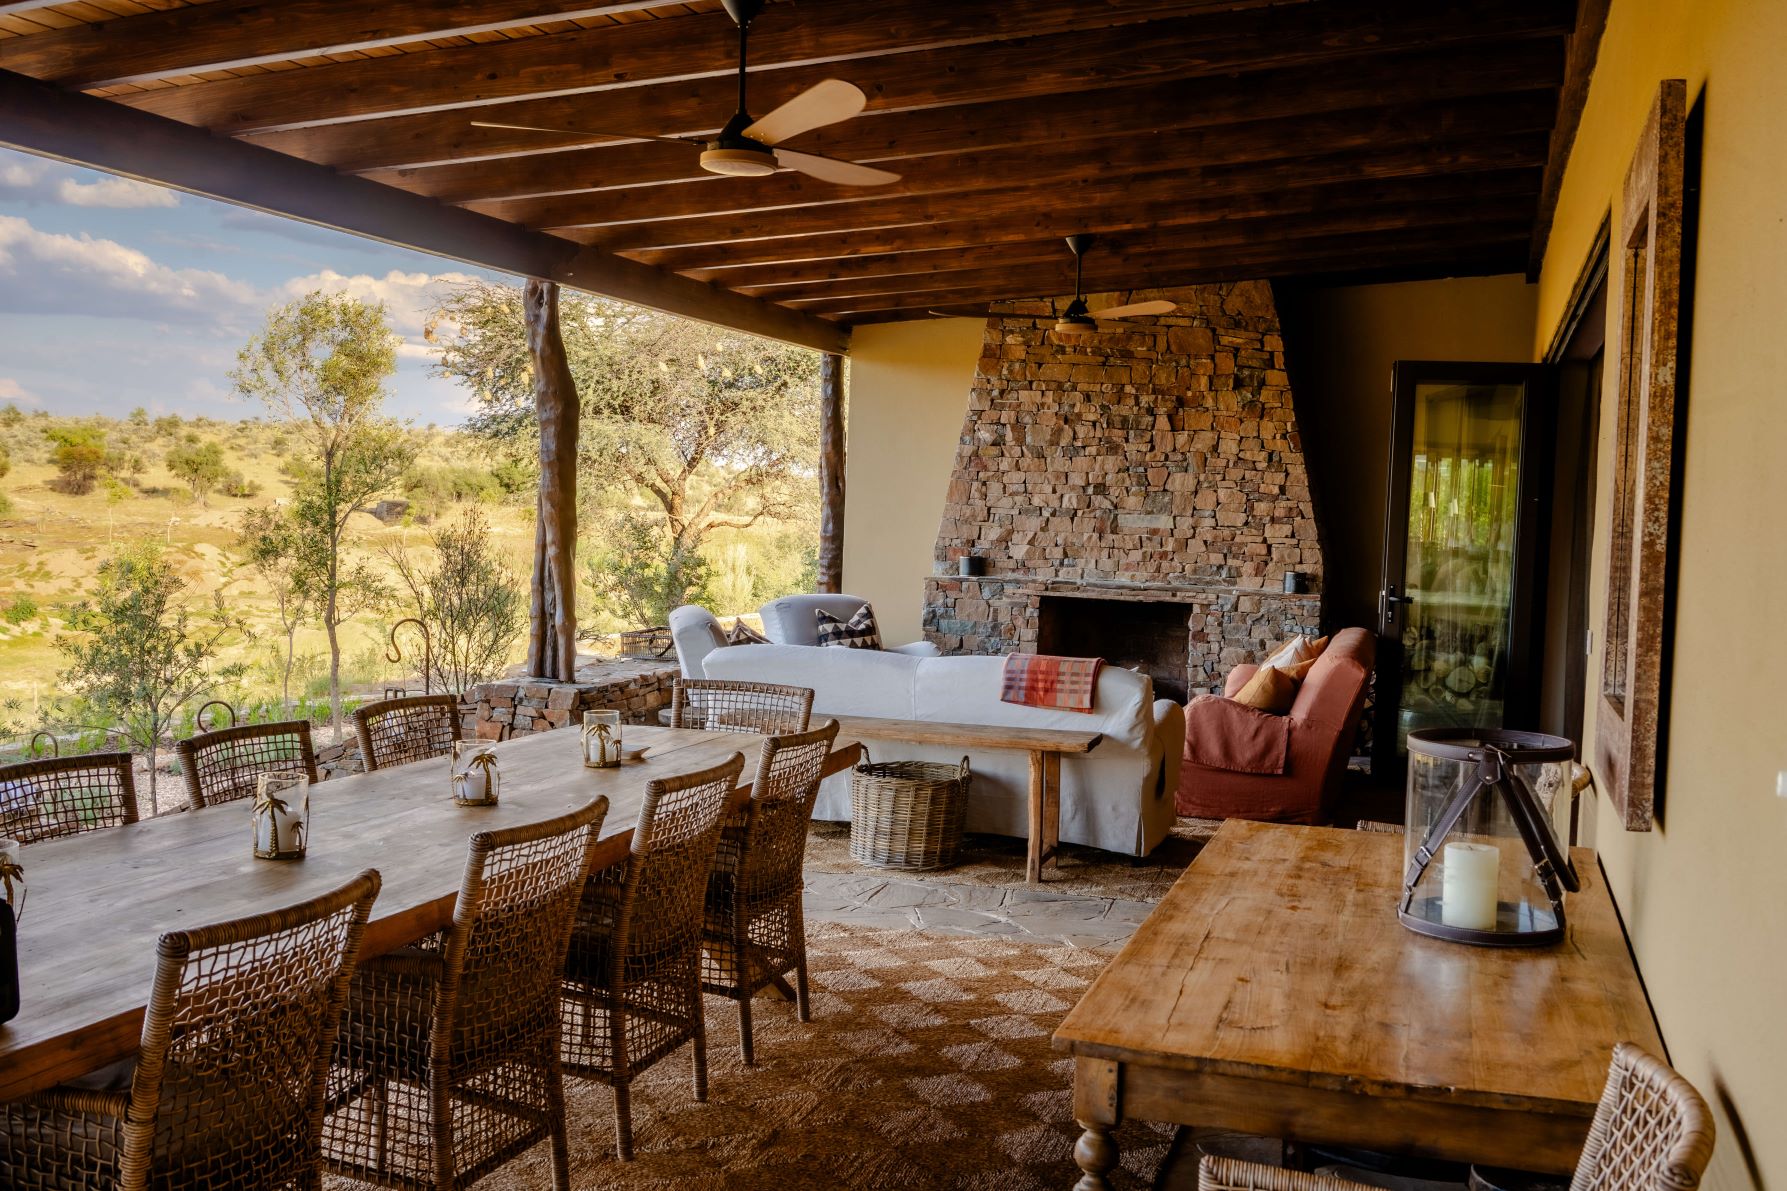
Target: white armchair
{"x": 696, "y": 633}
{"x": 790, "y": 621}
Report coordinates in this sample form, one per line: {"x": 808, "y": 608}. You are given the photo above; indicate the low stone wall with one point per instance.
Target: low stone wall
{"x": 518, "y": 706}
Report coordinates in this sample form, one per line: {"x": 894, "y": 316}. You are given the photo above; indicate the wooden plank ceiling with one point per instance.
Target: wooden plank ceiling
{"x": 1202, "y": 139}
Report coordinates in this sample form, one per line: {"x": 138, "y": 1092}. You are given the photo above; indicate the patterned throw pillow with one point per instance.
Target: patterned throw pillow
{"x": 859, "y": 632}
{"x": 743, "y": 634}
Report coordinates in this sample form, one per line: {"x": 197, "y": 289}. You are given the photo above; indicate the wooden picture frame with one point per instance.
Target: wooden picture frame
{"x": 1644, "y": 310}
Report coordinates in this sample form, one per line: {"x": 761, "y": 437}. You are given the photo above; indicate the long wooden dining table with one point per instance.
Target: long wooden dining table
{"x": 97, "y": 902}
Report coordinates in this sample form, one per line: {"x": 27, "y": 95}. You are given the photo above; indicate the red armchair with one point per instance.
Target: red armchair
{"x": 1247, "y": 764}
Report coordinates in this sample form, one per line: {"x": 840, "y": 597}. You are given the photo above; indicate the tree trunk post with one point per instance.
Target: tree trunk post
{"x": 831, "y": 473}
{"x": 552, "y": 640}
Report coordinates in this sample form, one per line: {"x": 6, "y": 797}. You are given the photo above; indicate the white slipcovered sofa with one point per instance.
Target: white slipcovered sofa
{"x": 1119, "y": 797}
{"x": 787, "y": 621}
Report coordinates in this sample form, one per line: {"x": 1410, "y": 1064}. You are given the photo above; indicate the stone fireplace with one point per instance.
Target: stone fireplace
{"x": 1137, "y": 496}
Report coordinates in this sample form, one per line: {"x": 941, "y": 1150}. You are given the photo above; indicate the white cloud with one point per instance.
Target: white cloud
{"x": 406, "y": 296}
{"x": 47, "y": 182}
{"x": 114, "y": 192}
{"x": 11, "y": 390}
{"x": 50, "y": 273}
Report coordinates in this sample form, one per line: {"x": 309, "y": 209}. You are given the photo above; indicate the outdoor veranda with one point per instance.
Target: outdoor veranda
{"x": 1291, "y": 477}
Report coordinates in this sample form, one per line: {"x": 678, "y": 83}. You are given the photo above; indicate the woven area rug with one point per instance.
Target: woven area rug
{"x": 999, "y": 860}
{"x": 927, "y": 1065}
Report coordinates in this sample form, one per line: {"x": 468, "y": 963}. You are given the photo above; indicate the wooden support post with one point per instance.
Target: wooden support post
{"x": 831, "y": 473}
{"x": 552, "y": 640}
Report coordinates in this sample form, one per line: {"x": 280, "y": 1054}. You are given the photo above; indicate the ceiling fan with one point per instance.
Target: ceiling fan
{"x": 750, "y": 147}
{"x": 1076, "y": 322}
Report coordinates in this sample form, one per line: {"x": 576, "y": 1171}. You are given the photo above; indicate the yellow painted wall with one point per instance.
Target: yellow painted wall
{"x": 1705, "y": 894}
{"x": 1340, "y": 343}
{"x": 908, "y": 395}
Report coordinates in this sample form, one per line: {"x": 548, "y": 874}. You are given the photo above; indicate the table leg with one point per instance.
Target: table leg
{"x": 1033, "y": 845}
{"x": 1096, "y": 1110}
{"x": 1051, "y": 808}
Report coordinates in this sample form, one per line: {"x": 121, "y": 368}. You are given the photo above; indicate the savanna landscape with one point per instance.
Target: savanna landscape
{"x": 229, "y": 548}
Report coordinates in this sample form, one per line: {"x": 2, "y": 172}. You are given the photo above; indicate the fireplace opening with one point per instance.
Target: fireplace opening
{"x": 1153, "y": 636}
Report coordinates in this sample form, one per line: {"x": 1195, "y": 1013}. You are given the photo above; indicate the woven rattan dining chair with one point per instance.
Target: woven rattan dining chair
{"x": 632, "y": 981}
{"x": 225, "y": 765}
{"x": 754, "y": 933}
{"x": 1651, "y": 1132}
{"x": 722, "y": 706}
{"x": 60, "y": 796}
{"x": 413, "y": 728}
{"x": 227, "y": 1091}
{"x": 448, "y": 1064}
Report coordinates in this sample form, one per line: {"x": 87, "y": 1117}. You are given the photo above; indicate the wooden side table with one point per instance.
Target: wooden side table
{"x": 1045, "y": 746}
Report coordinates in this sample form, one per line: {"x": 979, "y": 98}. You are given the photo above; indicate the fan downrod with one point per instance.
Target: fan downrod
{"x": 732, "y": 153}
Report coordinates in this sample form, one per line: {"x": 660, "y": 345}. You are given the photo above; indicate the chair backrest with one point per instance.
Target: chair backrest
{"x": 1334, "y": 690}
{"x": 60, "y": 796}
{"x": 1651, "y": 1132}
{"x": 223, "y": 766}
{"x": 774, "y": 839}
{"x": 230, "y": 1077}
{"x": 696, "y": 632}
{"x": 412, "y": 728}
{"x": 673, "y": 852}
{"x": 790, "y": 620}
{"x": 723, "y": 705}
{"x": 511, "y": 929}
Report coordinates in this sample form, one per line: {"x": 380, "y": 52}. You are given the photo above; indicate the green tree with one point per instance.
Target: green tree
{"x": 137, "y": 655}
{"x": 200, "y": 465}
{"x": 709, "y": 429}
{"x": 79, "y": 456}
{"x": 5, "y": 461}
{"x": 321, "y": 363}
{"x": 271, "y": 543}
{"x": 474, "y": 605}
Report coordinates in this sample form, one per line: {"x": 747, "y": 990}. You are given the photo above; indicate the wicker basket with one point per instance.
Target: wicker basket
{"x": 907, "y": 814}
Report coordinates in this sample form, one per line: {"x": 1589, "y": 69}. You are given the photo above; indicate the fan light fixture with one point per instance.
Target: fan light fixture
{"x": 1077, "y": 322}
{"x": 738, "y": 163}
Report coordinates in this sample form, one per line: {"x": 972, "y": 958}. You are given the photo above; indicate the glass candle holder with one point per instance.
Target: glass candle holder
{"x": 12, "y": 882}
{"x": 12, "y": 875}
{"x": 476, "y": 780}
{"x": 601, "y": 739}
{"x": 1484, "y": 857}
{"x": 281, "y": 815}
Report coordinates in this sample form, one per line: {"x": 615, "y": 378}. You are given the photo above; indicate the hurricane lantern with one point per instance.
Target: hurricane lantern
{"x": 476, "y": 779}
{"x": 281, "y": 815}
{"x": 1483, "y": 861}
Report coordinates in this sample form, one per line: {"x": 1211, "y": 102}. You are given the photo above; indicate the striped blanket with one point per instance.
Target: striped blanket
{"x": 1039, "y": 680}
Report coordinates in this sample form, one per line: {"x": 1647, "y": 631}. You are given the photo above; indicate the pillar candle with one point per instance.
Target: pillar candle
{"x": 1471, "y": 879}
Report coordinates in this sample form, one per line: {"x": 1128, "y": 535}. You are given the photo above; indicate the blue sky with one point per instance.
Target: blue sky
{"x": 115, "y": 294}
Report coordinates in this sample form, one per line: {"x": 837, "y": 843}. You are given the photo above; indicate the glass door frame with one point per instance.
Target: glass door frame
{"x": 1526, "y": 632}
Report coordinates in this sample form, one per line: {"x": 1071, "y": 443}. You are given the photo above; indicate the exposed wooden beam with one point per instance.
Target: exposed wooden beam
{"x": 1051, "y": 165}
{"x": 789, "y": 257}
{"x": 896, "y": 81}
{"x": 1113, "y": 268}
{"x": 1579, "y": 70}
{"x": 703, "y": 46}
{"x": 943, "y": 266}
{"x": 233, "y": 33}
{"x": 1428, "y": 260}
{"x": 1190, "y": 185}
{"x": 1423, "y": 77}
{"x": 104, "y": 135}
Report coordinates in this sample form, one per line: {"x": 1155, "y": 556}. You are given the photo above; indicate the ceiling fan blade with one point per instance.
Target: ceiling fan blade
{"x": 1137, "y": 309}
{"x": 830, "y": 169}
{"x": 823, "y": 103}
{"x": 627, "y": 136}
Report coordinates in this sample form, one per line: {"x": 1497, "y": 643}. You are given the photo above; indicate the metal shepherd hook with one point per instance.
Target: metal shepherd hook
{"x": 394, "y": 654}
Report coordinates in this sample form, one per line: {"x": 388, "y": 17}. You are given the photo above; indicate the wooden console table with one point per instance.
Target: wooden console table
{"x": 1045, "y": 746}
{"x": 1273, "y": 991}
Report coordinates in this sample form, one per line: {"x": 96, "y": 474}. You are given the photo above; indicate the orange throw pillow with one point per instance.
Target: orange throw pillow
{"x": 1269, "y": 690}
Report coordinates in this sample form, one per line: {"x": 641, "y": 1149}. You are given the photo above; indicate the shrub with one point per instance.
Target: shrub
{"x": 79, "y": 455}
{"x": 21, "y": 609}
{"x": 241, "y": 487}
{"x": 431, "y": 489}
{"x": 5, "y": 460}
{"x": 201, "y": 465}
{"x": 5, "y": 505}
